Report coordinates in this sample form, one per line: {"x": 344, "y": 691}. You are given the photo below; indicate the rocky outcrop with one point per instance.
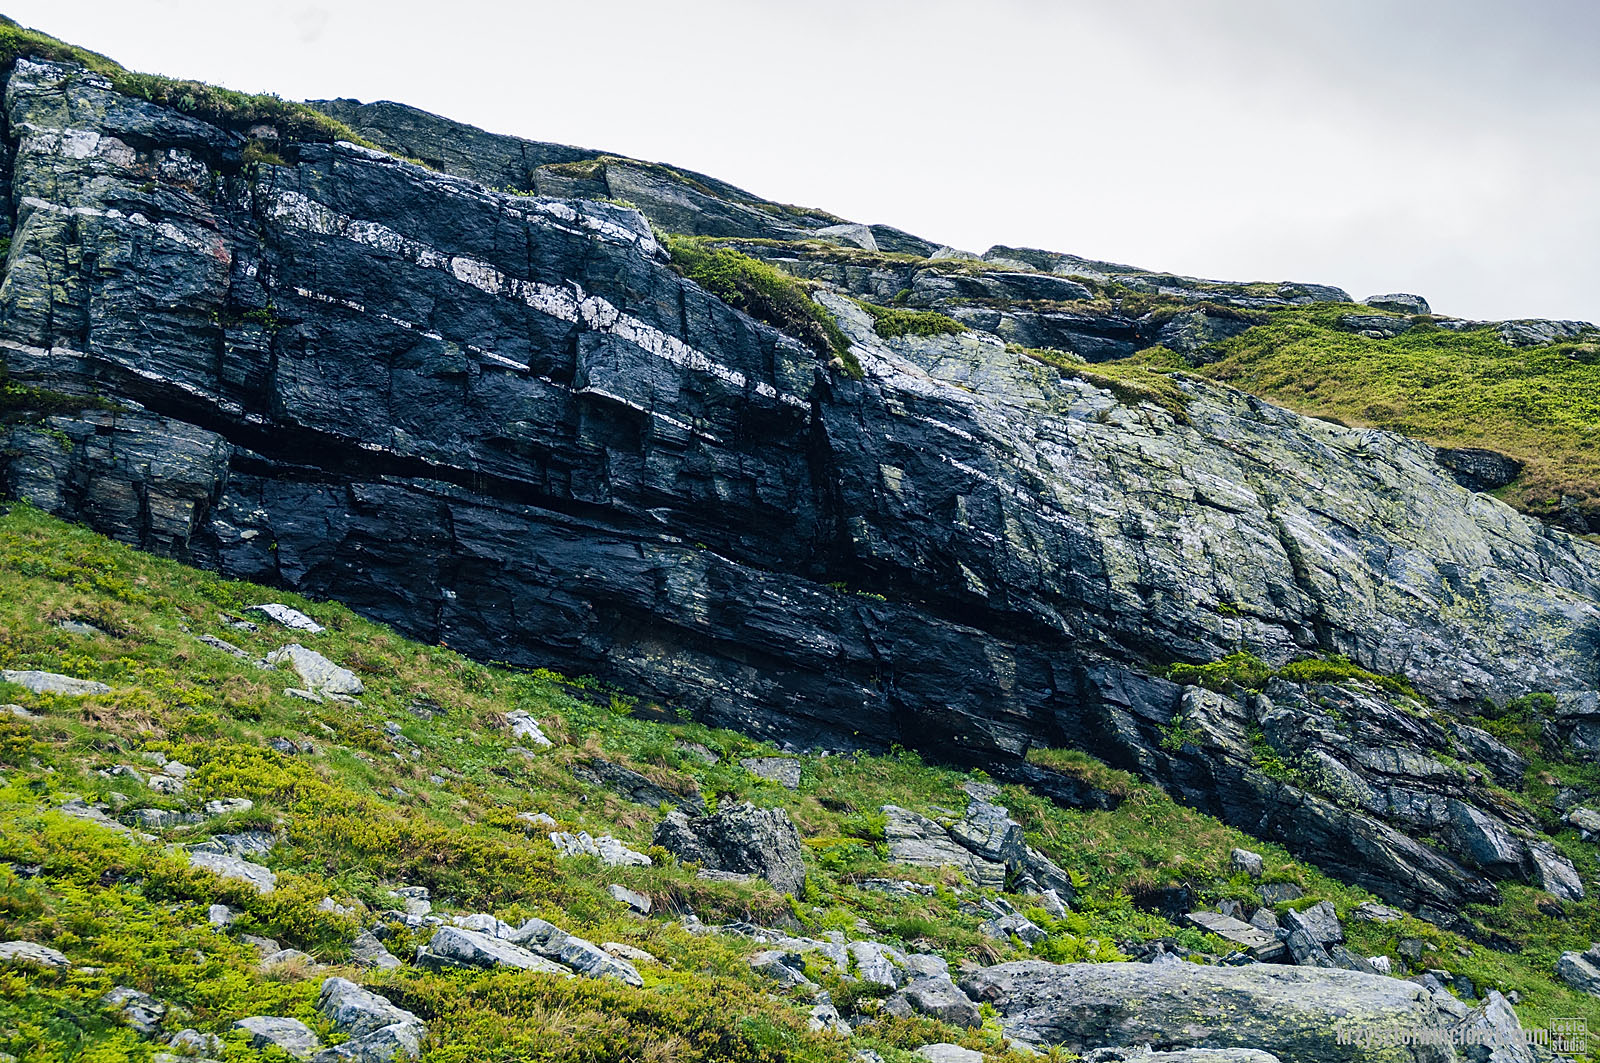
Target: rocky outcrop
{"x": 502, "y": 422}
{"x": 1292, "y": 1012}
{"x": 743, "y": 840}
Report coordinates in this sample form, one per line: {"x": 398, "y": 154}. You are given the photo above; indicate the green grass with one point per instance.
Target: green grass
{"x": 355, "y": 818}
{"x": 224, "y": 107}
{"x": 762, "y": 291}
{"x": 890, "y": 322}
{"x": 1148, "y": 376}
{"x": 1454, "y": 389}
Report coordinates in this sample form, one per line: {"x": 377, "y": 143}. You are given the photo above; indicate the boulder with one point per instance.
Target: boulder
{"x": 453, "y": 946}
{"x": 227, "y": 865}
{"x": 1320, "y": 922}
{"x": 290, "y": 618}
{"x": 353, "y": 1009}
{"x": 320, "y": 675}
{"x": 525, "y": 727}
{"x": 1492, "y": 1033}
{"x": 1292, "y": 1012}
{"x": 290, "y": 1035}
{"x": 1581, "y": 970}
{"x": 398, "y": 1043}
{"x": 636, "y": 787}
{"x": 935, "y": 996}
{"x": 1262, "y": 944}
{"x": 584, "y": 957}
{"x": 51, "y": 683}
{"x": 32, "y": 954}
{"x": 1275, "y": 893}
{"x": 1248, "y": 862}
{"x": 825, "y": 1018}
{"x": 781, "y": 966}
{"x": 627, "y": 952}
{"x": 1399, "y": 303}
{"x": 623, "y": 895}
{"x": 1552, "y": 872}
{"x": 785, "y": 771}
{"x": 1013, "y": 924}
{"x": 368, "y": 951}
{"x": 1142, "y": 1054}
{"x": 878, "y": 963}
{"x": 743, "y": 839}
{"x": 917, "y": 840}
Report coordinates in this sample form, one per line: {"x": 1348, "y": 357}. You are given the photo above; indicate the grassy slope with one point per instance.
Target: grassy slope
{"x": 1540, "y": 406}
{"x": 361, "y": 813}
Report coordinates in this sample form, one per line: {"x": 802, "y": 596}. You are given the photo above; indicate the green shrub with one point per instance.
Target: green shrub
{"x": 890, "y": 322}
{"x": 762, "y": 291}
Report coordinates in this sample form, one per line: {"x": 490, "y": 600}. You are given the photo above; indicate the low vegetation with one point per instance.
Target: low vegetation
{"x": 890, "y": 322}
{"x": 1538, "y": 405}
{"x": 762, "y": 291}
{"x": 1150, "y": 376}
{"x": 1246, "y": 671}
{"x": 420, "y": 783}
{"x": 223, "y": 107}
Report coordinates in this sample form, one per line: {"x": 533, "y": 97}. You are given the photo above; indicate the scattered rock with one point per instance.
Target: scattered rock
{"x": 1261, "y": 943}
{"x": 484, "y": 923}
{"x": 745, "y": 839}
{"x": 1581, "y": 970}
{"x": 226, "y": 647}
{"x": 219, "y": 915}
{"x": 368, "y": 951}
{"x": 537, "y": 820}
{"x": 1275, "y": 893}
{"x": 78, "y": 627}
{"x": 1248, "y": 862}
{"x": 320, "y": 675}
{"x": 1493, "y": 1034}
{"x": 524, "y": 726}
{"x": 51, "y": 683}
{"x": 917, "y": 840}
{"x": 291, "y": 1035}
{"x": 937, "y": 997}
{"x": 782, "y": 966}
{"x": 286, "y": 957}
{"x": 226, "y": 865}
{"x": 628, "y": 952}
{"x": 640, "y": 789}
{"x": 227, "y": 806}
{"x": 355, "y": 1010}
{"x": 238, "y": 623}
{"x": 1586, "y": 820}
{"x": 32, "y": 954}
{"x": 398, "y": 1043}
{"x": 1320, "y": 923}
{"x": 1553, "y": 872}
{"x": 166, "y": 784}
{"x": 452, "y": 946}
{"x": 1373, "y": 912}
{"x": 1014, "y": 924}
{"x": 141, "y": 1012}
{"x": 191, "y": 1043}
{"x": 785, "y": 771}
{"x": 944, "y": 1052}
{"x": 18, "y": 711}
{"x": 878, "y": 963}
{"x": 637, "y": 901}
{"x": 825, "y": 1018}
{"x": 697, "y": 751}
{"x": 611, "y": 852}
{"x": 290, "y": 618}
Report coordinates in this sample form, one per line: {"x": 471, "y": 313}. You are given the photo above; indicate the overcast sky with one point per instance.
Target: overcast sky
{"x": 1445, "y": 147}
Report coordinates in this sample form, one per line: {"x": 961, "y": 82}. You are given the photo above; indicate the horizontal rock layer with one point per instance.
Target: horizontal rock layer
{"x": 503, "y": 423}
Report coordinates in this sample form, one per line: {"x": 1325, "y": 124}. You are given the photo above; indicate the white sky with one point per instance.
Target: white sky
{"x": 1445, "y": 147}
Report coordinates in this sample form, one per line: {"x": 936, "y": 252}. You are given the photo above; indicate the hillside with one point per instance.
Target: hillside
{"x": 708, "y": 628}
{"x": 422, "y": 782}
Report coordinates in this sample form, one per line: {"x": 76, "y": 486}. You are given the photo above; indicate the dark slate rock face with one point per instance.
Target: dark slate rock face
{"x": 502, "y": 422}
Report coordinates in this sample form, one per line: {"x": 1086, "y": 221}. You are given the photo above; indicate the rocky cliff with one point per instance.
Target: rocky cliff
{"x": 502, "y": 421}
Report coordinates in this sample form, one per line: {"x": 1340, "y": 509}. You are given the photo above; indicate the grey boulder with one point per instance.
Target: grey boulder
{"x": 785, "y": 771}
{"x": 453, "y": 946}
{"x": 1399, "y": 303}
{"x": 1581, "y": 970}
{"x": 271, "y": 1031}
{"x": 381, "y": 1032}
{"x": 32, "y": 954}
{"x": 319, "y": 674}
{"x": 141, "y": 1012}
{"x": 744, "y": 839}
{"x": 585, "y": 957}
{"x": 1293, "y": 1012}
{"x": 937, "y": 997}
{"x": 227, "y": 865}
{"x": 52, "y": 683}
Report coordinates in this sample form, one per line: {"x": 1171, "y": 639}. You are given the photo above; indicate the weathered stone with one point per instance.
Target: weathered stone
{"x": 584, "y": 957}
{"x": 227, "y": 865}
{"x": 137, "y": 1010}
{"x": 607, "y": 849}
{"x": 453, "y": 946}
{"x": 1398, "y": 303}
{"x": 785, "y": 771}
{"x": 1294, "y": 1013}
{"x": 525, "y": 727}
{"x": 825, "y": 1018}
{"x": 627, "y": 952}
{"x": 355, "y": 1010}
{"x": 743, "y": 839}
{"x": 1259, "y": 942}
{"x": 368, "y": 951}
{"x": 288, "y": 617}
{"x": 1581, "y": 970}
{"x": 52, "y": 683}
{"x": 319, "y": 674}
{"x": 944, "y": 1052}
{"x": 937, "y": 997}
{"x": 31, "y": 954}
{"x": 917, "y": 840}
{"x": 1320, "y": 922}
{"x": 1275, "y": 893}
{"x": 1248, "y": 862}
{"x": 638, "y": 788}
{"x": 1013, "y": 924}
{"x": 781, "y": 966}
{"x": 636, "y": 901}
{"x": 1553, "y": 872}
{"x": 290, "y": 1035}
